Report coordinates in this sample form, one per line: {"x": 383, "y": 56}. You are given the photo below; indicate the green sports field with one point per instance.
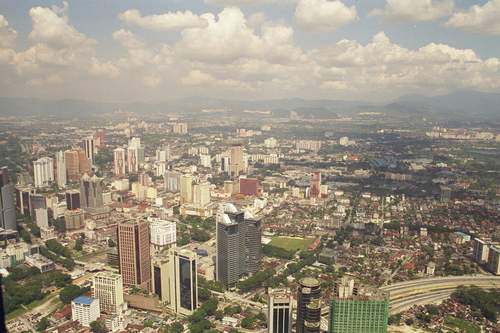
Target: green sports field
{"x": 291, "y": 244}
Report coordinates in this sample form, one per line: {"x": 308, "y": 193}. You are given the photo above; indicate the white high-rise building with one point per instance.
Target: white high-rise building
{"x": 162, "y": 233}
{"x": 43, "y": 169}
{"x": 163, "y": 154}
{"x": 172, "y": 181}
{"x": 201, "y": 194}
{"x": 89, "y": 147}
{"x": 205, "y": 161}
{"x": 135, "y": 155}
{"x": 107, "y": 287}
{"x": 481, "y": 251}
{"x": 85, "y": 310}
{"x": 119, "y": 162}
{"x": 186, "y": 188}
{"x": 279, "y": 311}
{"x": 42, "y": 218}
{"x": 61, "y": 169}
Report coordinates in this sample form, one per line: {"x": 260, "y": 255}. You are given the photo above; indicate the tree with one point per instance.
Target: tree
{"x": 176, "y": 327}
{"x": 111, "y": 243}
{"x": 219, "y": 315}
{"x": 204, "y": 294}
{"x": 42, "y": 324}
{"x": 98, "y": 326}
{"x": 70, "y": 292}
{"x": 78, "y": 244}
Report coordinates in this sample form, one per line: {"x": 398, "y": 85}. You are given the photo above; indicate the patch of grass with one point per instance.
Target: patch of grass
{"x": 22, "y": 310}
{"x": 291, "y": 244}
{"x": 461, "y": 325}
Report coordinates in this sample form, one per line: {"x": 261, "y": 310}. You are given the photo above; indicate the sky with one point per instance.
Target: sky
{"x": 153, "y": 50}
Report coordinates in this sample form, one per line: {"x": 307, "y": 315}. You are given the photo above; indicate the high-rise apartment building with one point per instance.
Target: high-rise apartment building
{"x": 135, "y": 155}
{"x": 89, "y": 147}
{"x": 481, "y": 251}
{"x": 61, "y": 179}
{"x": 175, "y": 280}
{"x": 119, "y": 162}
{"x": 201, "y": 195}
{"x": 77, "y": 164}
{"x": 7, "y": 201}
{"x": 315, "y": 185}
{"x": 163, "y": 154}
{"x": 186, "y": 188}
{"x": 91, "y": 192}
{"x": 172, "y": 181}
{"x": 163, "y": 234}
{"x": 280, "y": 308}
{"x": 238, "y": 245}
{"x": 309, "y": 292}
{"x": 355, "y": 309}
{"x": 107, "y": 287}
{"x": 43, "y": 170}
{"x": 42, "y": 218}
{"x": 494, "y": 260}
{"x": 23, "y": 202}
{"x": 134, "y": 253}
{"x": 85, "y": 310}
{"x": 236, "y": 162}
{"x": 180, "y": 128}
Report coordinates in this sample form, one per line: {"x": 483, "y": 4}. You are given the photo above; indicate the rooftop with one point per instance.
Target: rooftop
{"x": 83, "y": 300}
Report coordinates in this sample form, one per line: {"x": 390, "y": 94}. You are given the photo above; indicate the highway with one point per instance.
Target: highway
{"x": 404, "y": 295}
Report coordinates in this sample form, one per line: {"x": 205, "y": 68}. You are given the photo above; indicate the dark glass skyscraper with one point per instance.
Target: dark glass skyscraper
{"x": 7, "y": 201}
{"x": 238, "y": 245}
{"x": 309, "y": 293}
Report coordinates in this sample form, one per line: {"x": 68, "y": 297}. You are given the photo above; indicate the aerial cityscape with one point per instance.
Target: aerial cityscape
{"x": 272, "y": 166}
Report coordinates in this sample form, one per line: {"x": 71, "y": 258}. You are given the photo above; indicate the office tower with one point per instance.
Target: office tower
{"x": 201, "y": 194}
{"x": 43, "y": 170}
{"x": 250, "y": 186}
{"x": 186, "y": 188}
{"x": 309, "y": 291}
{"x": 238, "y": 245}
{"x": 494, "y": 260}
{"x": 175, "y": 280}
{"x": 163, "y": 154}
{"x": 133, "y": 250}
{"x": 172, "y": 181}
{"x": 73, "y": 199}
{"x": 37, "y": 201}
{"x": 481, "y": 251}
{"x": 100, "y": 139}
{"x": 135, "y": 155}
{"x": 315, "y": 185}
{"x": 162, "y": 233}
{"x": 7, "y": 204}
{"x": 23, "y": 199}
{"x": 224, "y": 164}
{"x": 279, "y": 311}
{"x": 119, "y": 162}
{"x": 77, "y": 164}
{"x": 312, "y": 318}
{"x": 91, "y": 192}
{"x": 42, "y": 218}
{"x": 236, "y": 163}
{"x": 85, "y": 310}
{"x": 74, "y": 219}
{"x": 180, "y": 128}
{"x": 107, "y": 287}
{"x": 89, "y": 147}
{"x": 60, "y": 169}
{"x": 358, "y": 309}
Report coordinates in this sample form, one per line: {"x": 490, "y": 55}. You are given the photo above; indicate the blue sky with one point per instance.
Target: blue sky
{"x": 153, "y": 50}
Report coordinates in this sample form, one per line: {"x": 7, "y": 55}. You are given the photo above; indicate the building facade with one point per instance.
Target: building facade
{"x": 107, "y": 287}
{"x": 43, "y": 170}
{"x": 7, "y": 201}
{"x": 61, "y": 179}
{"x": 91, "y": 192}
{"x": 85, "y": 310}
{"x": 119, "y": 162}
{"x": 309, "y": 292}
{"x": 280, "y": 310}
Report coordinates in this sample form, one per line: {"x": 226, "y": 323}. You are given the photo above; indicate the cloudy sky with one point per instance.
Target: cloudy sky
{"x": 121, "y": 50}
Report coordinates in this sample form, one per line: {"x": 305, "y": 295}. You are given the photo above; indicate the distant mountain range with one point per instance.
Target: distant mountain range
{"x": 460, "y": 104}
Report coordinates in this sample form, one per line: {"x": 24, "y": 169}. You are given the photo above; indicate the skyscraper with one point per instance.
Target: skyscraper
{"x": 91, "y": 192}
{"x": 163, "y": 234}
{"x": 186, "y": 188}
{"x": 107, "y": 287}
{"x": 358, "y": 309}
{"x": 315, "y": 185}
{"x": 133, "y": 251}
{"x": 77, "y": 164}
{"x": 279, "y": 311}
{"x": 119, "y": 162}
{"x": 236, "y": 163}
{"x": 73, "y": 199}
{"x": 201, "y": 194}
{"x": 175, "y": 280}
{"x": 172, "y": 181}
{"x": 61, "y": 169}
{"x": 7, "y": 202}
{"x": 238, "y": 245}
{"x": 135, "y": 155}
{"x": 309, "y": 291}
{"x": 43, "y": 170}
{"x": 89, "y": 147}
{"x": 23, "y": 202}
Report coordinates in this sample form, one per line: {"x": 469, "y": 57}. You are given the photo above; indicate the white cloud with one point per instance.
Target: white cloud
{"x": 152, "y": 81}
{"x": 229, "y": 38}
{"x": 8, "y": 38}
{"x": 246, "y": 2}
{"x": 196, "y": 78}
{"x": 478, "y": 19}
{"x": 415, "y": 10}
{"x": 103, "y": 69}
{"x": 163, "y": 22}
{"x": 324, "y": 15}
